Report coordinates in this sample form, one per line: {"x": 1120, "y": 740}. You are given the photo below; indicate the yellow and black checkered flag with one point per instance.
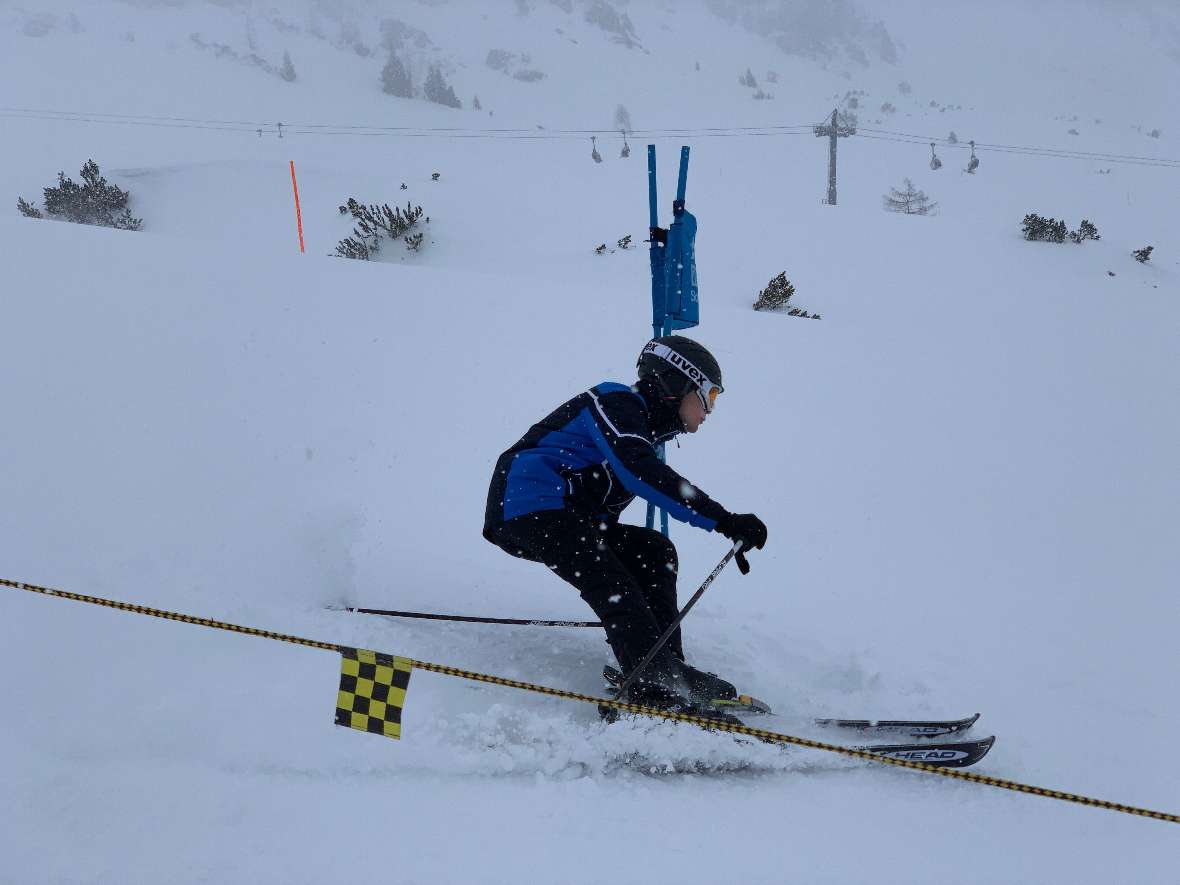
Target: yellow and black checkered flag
{"x": 372, "y": 691}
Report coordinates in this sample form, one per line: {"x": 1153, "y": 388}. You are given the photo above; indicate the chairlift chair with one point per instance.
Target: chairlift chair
{"x": 935, "y": 163}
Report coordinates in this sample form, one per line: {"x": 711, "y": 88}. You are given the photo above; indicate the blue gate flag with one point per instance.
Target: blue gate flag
{"x": 682, "y": 308}
{"x": 674, "y": 294}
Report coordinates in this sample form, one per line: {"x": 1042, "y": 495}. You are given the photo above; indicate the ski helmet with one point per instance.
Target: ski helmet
{"x": 678, "y": 365}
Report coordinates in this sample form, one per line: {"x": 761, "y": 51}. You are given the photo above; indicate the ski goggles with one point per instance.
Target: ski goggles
{"x": 704, "y": 387}
{"x": 708, "y": 395}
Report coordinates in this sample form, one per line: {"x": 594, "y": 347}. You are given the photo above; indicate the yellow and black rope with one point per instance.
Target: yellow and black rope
{"x": 711, "y": 724}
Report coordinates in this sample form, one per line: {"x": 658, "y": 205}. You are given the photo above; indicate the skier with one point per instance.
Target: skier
{"x": 557, "y": 494}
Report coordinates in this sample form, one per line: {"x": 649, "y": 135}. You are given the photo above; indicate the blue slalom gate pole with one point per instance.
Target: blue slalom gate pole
{"x": 673, "y": 286}
{"x": 656, "y": 255}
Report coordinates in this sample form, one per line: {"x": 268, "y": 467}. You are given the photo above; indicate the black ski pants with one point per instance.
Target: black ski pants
{"x": 626, "y": 573}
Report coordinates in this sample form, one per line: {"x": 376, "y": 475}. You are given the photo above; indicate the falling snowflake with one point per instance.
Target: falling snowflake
{"x": 615, "y": 597}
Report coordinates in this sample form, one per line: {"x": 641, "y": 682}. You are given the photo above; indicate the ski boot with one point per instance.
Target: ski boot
{"x": 670, "y": 690}
{"x": 705, "y": 688}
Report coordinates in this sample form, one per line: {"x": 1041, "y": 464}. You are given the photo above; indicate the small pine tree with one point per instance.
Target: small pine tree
{"x": 395, "y": 79}
{"x": 475, "y": 105}
{"x": 776, "y": 294}
{"x": 1085, "y": 231}
{"x": 747, "y": 79}
{"x": 908, "y": 201}
{"x": 27, "y": 210}
{"x": 374, "y": 222}
{"x": 952, "y": 138}
{"x": 287, "y": 71}
{"x": 95, "y": 201}
{"x": 438, "y": 90}
{"x": 1045, "y": 230}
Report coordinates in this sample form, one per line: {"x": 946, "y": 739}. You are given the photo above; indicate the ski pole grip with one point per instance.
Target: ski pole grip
{"x": 742, "y": 563}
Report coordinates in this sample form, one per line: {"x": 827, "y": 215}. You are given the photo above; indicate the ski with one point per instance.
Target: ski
{"x": 916, "y": 728}
{"x": 954, "y": 754}
{"x": 747, "y": 705}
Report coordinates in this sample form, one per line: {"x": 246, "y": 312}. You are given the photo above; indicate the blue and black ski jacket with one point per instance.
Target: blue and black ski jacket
{"x": 593, "y": 455}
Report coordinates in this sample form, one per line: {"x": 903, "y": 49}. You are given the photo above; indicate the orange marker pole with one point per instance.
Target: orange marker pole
{"x": 298, "y": 214}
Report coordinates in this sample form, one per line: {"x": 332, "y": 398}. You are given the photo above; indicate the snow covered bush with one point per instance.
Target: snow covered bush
{"x": 1050, "y": 230}
{"x": 1045, "y": 230}
{"x": 287, "y": 71}
{"x": 1143, "y": 255}
{"x": 499, "y": 59}
{"x": 27, "y": 209}
{"x": 95, "y": 201}
{"x": 1086, "y": 231}
{"x": 375, "y": 222}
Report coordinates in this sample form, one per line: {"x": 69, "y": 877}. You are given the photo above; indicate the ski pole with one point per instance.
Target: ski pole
{"x": 471, "y": 619}
{"x": 662, "y": 641}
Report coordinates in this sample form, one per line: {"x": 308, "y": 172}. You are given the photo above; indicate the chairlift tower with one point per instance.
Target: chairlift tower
{"x": 833, "y": 131}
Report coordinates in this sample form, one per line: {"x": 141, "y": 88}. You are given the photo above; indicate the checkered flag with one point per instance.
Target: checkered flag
{"x": 372, "y": 691}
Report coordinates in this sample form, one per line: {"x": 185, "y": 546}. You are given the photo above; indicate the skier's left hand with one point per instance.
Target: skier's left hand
{"x": 748, "y": 531}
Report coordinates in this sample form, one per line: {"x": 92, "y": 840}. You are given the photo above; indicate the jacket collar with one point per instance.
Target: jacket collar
{"x": 662, "y": 411}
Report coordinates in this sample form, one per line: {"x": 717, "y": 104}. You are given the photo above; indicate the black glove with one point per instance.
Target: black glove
{"x": 747, "y": 529}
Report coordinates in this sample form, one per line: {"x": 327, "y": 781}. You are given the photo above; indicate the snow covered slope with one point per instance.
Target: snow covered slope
{"x": 967, "y": 466}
